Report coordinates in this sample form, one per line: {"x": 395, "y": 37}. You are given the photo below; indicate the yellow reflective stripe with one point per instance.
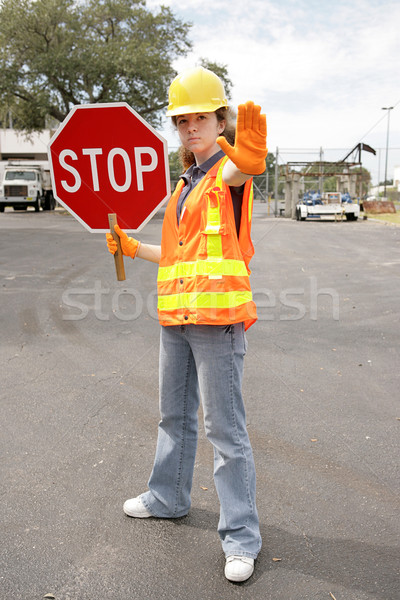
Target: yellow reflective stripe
{"x": 218, "y": 180}
{"x": 203, "y": 300}
{"x": 214, "y": 246}
{"x": 213, "y": 213}
{"x": 214, "y": 242}
{"x": 203, "y": 267}
{"x": 213, "y": 219}
{"x": 250, "y": 212}
{"x": 213, "y": 226}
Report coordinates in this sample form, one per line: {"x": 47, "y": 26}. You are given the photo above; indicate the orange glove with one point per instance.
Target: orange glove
{"x": 250, "y": 149}
{"x": 129, "y": 245}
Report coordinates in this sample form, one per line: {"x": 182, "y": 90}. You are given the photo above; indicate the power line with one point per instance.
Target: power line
{"x": 377, "y": 123}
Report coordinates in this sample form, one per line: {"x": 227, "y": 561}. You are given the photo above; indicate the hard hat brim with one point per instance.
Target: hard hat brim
{"x": 199, "y": 108}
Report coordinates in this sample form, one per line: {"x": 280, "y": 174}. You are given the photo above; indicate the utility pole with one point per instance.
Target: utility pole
{"x": 321, "y": 171}
{"x": 388, "y": 108}
{"x": 276, "y": 181}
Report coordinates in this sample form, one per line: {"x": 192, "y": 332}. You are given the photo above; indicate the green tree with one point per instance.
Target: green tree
{"x": 58, "y": 53}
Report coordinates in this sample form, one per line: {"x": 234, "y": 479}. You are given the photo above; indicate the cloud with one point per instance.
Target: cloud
{"x": 322, "y": 71}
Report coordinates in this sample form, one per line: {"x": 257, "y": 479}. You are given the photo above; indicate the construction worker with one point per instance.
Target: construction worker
{"x": 204, "y": 306}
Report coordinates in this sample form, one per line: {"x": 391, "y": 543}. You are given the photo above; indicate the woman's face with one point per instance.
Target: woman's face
{"x": 198, "y": 133}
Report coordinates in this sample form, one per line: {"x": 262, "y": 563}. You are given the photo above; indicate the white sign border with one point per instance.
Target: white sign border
{"x": 156, "y": 133}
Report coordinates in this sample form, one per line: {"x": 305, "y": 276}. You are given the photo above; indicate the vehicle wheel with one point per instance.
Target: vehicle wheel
{"x": 47, "y": 202}
{"x": 37, "y": 204}
{"x": 1, "y": 209}
{"x": 297, "y": 214}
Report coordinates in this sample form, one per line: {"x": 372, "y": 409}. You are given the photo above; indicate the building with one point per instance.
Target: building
{"x": 16, "y": 145}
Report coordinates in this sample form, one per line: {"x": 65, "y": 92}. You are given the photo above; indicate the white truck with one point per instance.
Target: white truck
{"x": 26, "y": 184}
{"x": 331, "y": 204}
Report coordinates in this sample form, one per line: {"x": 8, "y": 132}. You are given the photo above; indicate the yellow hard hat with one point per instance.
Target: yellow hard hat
{"x": 196, "y": 90}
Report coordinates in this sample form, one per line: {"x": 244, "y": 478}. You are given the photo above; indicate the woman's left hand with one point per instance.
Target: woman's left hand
{"x": 129, "y": 246}
{"x": 250, "y": 149}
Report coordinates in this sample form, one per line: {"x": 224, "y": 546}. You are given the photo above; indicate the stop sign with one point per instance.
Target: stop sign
{"x": 105, "y": 159}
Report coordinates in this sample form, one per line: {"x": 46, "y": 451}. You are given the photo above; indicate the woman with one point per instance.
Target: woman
{"x": 204, "y": 306}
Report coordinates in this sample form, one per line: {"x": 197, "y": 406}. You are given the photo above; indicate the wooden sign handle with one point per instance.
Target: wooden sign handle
{"x": 118, "y": 256}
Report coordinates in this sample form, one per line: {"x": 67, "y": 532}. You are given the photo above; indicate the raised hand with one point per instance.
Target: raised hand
{"x": 250, "y": 149}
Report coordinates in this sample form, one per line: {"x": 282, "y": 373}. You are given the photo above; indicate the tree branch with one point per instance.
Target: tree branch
{"x": 57, "y": 113}
{"x": 151, "y": 109}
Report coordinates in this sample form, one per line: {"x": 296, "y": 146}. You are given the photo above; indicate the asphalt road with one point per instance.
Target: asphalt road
{"x": 79, "y": 413}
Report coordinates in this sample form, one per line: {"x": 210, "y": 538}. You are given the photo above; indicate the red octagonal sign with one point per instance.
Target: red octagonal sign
{"x": 105, "y": 159}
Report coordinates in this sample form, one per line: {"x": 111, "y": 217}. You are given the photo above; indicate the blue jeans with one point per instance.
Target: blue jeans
{"x": 205, "y": 361}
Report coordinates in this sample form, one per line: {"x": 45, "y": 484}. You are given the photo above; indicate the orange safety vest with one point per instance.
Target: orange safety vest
{"x": 203, "y": 275}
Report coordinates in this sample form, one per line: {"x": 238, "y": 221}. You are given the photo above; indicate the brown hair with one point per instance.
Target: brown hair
{"x": 223, "y": 114}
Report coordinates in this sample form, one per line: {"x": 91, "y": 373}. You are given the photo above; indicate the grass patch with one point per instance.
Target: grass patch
{"x": 386, "y": 217}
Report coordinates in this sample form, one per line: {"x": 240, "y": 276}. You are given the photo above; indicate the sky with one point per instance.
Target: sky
{"x": 321, "y": 70}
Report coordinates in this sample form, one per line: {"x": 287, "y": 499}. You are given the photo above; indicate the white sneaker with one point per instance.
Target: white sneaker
{"x": 135, "y": 508}
{"x": 239, "y": 568}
